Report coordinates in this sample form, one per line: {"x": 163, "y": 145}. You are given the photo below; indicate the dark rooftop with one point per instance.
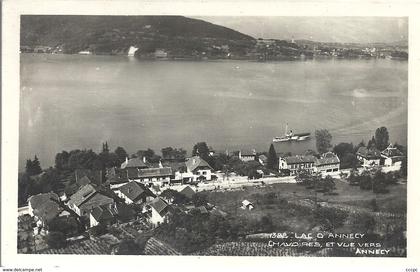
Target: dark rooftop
{"x": 195, "y": 162}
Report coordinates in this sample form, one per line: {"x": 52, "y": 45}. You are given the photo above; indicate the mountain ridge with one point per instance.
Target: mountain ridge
{"x": 117, "y": 33}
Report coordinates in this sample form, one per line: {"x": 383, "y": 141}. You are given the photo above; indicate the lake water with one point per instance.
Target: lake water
{"x": 72, "y": 101}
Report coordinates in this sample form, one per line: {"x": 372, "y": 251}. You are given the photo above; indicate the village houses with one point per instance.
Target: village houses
{"x": 327, "y": 163}
{"x": 87, "y": 198}
{"x": 368, "y": 156}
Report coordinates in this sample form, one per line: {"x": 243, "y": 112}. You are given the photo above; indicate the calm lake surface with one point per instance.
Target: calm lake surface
{"x": 76, "y": 102}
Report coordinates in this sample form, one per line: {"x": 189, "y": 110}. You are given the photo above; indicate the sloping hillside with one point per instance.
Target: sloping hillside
{"x": 115, "y": 34}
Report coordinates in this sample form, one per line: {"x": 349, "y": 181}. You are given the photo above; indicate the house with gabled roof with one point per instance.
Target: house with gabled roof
{"x": 199, "y": 169}
{"x": 151, "y": 175}
{"x": 44, "y": 208}
{"x": 392, "y": 156}
{"x": 262, "y": 159}
{"x": 368, "y": 156}
{"x": 297, "y": 163}
{"x": 328, "y": 163}
{"x": 87, "y": 198}
{"x": 247, "y": 155}
{"x": 159, "y": 175}
{"x": 187, "y": 191}
{"x": 101, "y": 215}
{"x": 159, "y": 210}
{"x": 136, "y": 163}
{"x": 134, "y": 192}
{"x": 247, "y": 205}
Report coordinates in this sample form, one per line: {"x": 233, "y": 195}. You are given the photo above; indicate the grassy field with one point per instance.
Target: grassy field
{"x": 291, "y": 217}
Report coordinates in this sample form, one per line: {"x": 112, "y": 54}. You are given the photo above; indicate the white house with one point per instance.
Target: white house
{"x": 247, "y": 155}
{"x": 296, "y": 163}
{"x": 132, "y": 50}
{"x": 133, "y": 192}
{"x": 328, "y": 163}
{"x": 159, "y": 210}
{"x": 198, "y": 169}
{"x": 247, "y": 205}
{"x": 392, "y": 156}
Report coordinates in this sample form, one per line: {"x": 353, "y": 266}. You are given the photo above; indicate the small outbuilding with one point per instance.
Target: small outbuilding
{"x": 247, "y": 205}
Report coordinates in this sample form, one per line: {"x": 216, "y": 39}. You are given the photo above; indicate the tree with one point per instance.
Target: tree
{"x": 327, "y": 184}
{"x": 33, "y": 167}
{"x": 379, "y": 183}
{"x": 200, "y": 199}
{"x": 220, "y": 161}
{"x": 149, "y": 154}
{"x": 403, "y": 169}
{"x": 62, "y": 160}
{"x": 310, "y": 152}
{"x": 23, "y": 185}
{"x": 342, "y": 149}
{"x": 36, "y": 166}
{"x": 323, "y": 140}
{"x": 371, "y": 143}
{"x": 353, "y": 178}
{"x": 121, "y": 154}
{"x": 382, "y": 138}
{"x": 201, "y": 149}
{"x": 56, "y": 239}
{"x": 174, "y": 196}
{"x": 98, "y": 230}
{"x": 349, "y": 160}
{"x": 65, "y": 225}
{"x": 105, "y": 148}
{"x": 169, "y": 153}
{"x": 272, "y": 158}
{"x": 365, "y": 181}
{"x": 81, "y": 159}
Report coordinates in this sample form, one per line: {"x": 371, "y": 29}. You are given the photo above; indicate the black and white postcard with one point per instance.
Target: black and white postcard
{"x": 142, "y": 130}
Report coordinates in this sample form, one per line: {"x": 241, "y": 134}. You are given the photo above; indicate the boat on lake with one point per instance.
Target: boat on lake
{"x": 290, "y": 136}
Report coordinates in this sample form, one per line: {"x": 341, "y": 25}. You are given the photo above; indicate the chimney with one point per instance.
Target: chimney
{"x": 144, "y": 159}
{"x": 126, "y": 159}
{"x": 160, "y": 164}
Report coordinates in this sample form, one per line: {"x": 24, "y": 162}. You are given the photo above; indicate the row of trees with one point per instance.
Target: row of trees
{"x": 376, "y": 181}
{"x": 315, "y": 181}
{"x": 88, "y": 159}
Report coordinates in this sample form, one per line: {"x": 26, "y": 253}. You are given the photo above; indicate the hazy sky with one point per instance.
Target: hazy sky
{"x": 325, "y": 29}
